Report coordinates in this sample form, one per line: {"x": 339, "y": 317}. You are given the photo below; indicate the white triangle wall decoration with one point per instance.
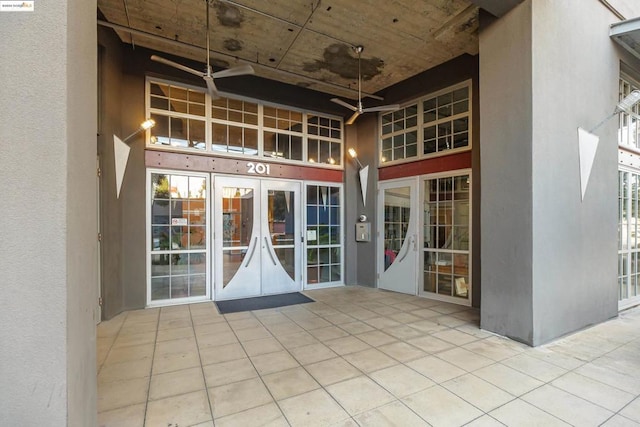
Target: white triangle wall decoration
{"x": 587, "y": 144}
{"x": 364, "y": 178}
{"x": 121, "y": 153}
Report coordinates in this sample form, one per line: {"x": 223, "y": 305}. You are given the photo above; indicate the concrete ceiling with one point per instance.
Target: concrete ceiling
{"x": 306, "y": 43}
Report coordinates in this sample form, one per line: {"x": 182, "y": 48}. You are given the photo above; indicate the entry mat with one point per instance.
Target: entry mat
{"x": 261, "y": 303}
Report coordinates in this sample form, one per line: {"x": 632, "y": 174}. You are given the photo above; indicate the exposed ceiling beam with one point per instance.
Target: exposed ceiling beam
{"x": 496, "y": 7}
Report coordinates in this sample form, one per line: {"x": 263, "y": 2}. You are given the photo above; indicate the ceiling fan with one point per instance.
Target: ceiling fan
{"x": 357, "y": 109}
{"x": 208, "y": 75}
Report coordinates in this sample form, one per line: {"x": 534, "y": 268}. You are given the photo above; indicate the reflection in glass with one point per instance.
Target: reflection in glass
{"x": 159, "y": 288}
{"x": 397, "y": 212}
{"x": 237, "y": 216}
{"x": 197, "y": 285}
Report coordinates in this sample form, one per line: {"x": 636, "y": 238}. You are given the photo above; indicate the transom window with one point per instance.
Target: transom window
{"x": 187, "y": 119}
{"x": 435, "y": 124}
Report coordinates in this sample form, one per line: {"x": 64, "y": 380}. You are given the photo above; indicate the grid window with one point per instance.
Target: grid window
{"x": 187, "y": 120}
{"x": 399, "y": 134}
{"x": 324, "y": 258}
{"x": 178, "y": 236}
{"x": 446, "y": 236}
{"x": 628, "y": 235}
{"x": 629, "y": 126}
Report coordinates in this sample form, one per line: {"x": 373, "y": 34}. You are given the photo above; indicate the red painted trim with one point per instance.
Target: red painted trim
{"x": 199, "y": 163}
{"x": 426, "y": 166}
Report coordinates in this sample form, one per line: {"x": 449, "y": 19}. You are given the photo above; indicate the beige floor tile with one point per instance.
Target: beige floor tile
{"x": 261, "y": 346}
{"x": 430, "y": 344}
{"x": 338, "y": 319}
{"x": 175, "y": 383}
{"x": 284, "y": 328}
{"x": 455, "y": 336}
{"x": 313, "y": 323}
{"x": 370, "y": 360}
{"x": 447, "y": 308}
{"x": 478, "y": 392}
{"x": 509, "y": 380}
{"x": 425, "y": 313}
{"x": 535, "y": 368}
{"x": 440, "y": 407}
{"x": 129, "y": 416}
{"x": 450, "y": 321}
{"x": 361, "y": 314}
{"x": 620, "y": 421}
{"x": 520, "y": 413}
{"x": 130, "y": 354}
{"x": 237, "y": 397}
{"x": 186, "y": 409}
{"x": 559, "y": 359}
{"x": 222, "y": 353}
{"x": 382, "y": 322}
{"x": 475, "y": 331}
{"x": 216, "y": 339}
{"x": 181, "y": 345}
{"x": 238, "y": 316}
{"x": 289, "y": 383}
{"x": 125, "y": 371}
{"x": 332, "y": 371}
{"x": 401, "y": 381}
{"x": 376, "y": 338}
{"x": 357, "y": 327}
{"x": 492, "y": 349}
{"x": 464, "y": 359}
{"x": 135, "y": 339}
{"x": 212, "y": 328}
{"x": 428, "y": 326}
{"x": 246, "y": 323}
{"x": 263, "y": 416}
{"x": 359, "y": 394}
{"x": 174, "y": 323}
{"x": 346, "y": 345}
{"x": 485, "y": 421}
{"x": 328, "y": 333}
{"x": 274, "y": 362}
{"x": 632, "y": 411}
{"x": 608, "y": 375}
{"x": 175, "y": 362}
{"x": 119, "y": 394}
{"x": 297, "y": 339}
{"x": 403, "y": 332}
{"x": 435, "y": 369}
{"x": 228, "y": 372}
{"x": 174, "y": 333}
{"x": 129, "y": 328}
{"x": 594, "y": 391}
{"x": 314, "y": 408}
{"x": 566, "y": 406}
{"x": 249, "y": 334}
{"x": 312, "y": 353}
{"x": 394, "y": 414}
{"x": 402, "y": 352}
{"x": 272, "y": 318}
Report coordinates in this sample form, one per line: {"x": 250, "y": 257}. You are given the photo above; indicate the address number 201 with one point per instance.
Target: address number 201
{"x": 258, "y": 168}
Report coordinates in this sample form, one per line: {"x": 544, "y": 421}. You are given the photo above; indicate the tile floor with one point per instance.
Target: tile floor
{"x": 359, "y": 357}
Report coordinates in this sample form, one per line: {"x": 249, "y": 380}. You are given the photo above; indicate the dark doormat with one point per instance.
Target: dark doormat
{"x": 261, "y": 303}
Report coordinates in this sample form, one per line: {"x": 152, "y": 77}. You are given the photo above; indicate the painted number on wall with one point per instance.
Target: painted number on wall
{"x": 258, "y": 168}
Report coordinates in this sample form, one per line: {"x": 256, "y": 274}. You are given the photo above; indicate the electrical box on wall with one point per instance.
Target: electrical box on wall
{"x": 363, "y": 232}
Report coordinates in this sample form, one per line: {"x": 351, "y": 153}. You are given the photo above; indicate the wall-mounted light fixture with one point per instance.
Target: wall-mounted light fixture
{"x": 121, "y": 151}
{"x": 588, "y": 141}
{"x": 364, "y": 175}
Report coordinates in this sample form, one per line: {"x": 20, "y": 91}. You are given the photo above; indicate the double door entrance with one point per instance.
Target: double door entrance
{"x": 257, "y": 237}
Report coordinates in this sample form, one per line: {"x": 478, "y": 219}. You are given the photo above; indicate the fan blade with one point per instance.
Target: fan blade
{"x": 344, "y": 104}
{"x": 235, "y": 71}
{"x": 353, "y": 118}
{"x": 390, "y": 107}
{"x": 211, "y": 86}
{"x": 176, "y": 65}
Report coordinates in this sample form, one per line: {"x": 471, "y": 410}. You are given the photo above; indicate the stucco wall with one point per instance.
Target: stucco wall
{"x": 506, "y": 204}
{"x": 48, "y": 252}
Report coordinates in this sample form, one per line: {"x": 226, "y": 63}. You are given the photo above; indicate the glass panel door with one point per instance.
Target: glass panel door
{"x": 397, "y": 249}
{"x": 257, "y": 245}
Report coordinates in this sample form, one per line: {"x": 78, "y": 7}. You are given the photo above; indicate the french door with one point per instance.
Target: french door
{"x": 397, "y": 250}
{"x": 257, "y": 237}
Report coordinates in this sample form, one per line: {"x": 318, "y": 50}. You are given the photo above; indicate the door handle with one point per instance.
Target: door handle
{"x": 266, "y": 243}
{"x": 253, "y": 249}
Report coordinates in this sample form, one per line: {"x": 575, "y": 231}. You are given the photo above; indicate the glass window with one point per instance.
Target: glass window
{"x": 446, "y": 240}
{"x": 178, "y": 236}
{"x": 323, "y": 235}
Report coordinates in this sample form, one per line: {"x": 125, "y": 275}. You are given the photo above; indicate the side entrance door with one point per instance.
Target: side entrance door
{"x": 397, "y": 250}
{"x": 257, "y": 240}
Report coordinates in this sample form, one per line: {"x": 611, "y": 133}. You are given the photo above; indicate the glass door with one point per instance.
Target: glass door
{"x": 397, "y": 225}
{"x": 256, "y": 249}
